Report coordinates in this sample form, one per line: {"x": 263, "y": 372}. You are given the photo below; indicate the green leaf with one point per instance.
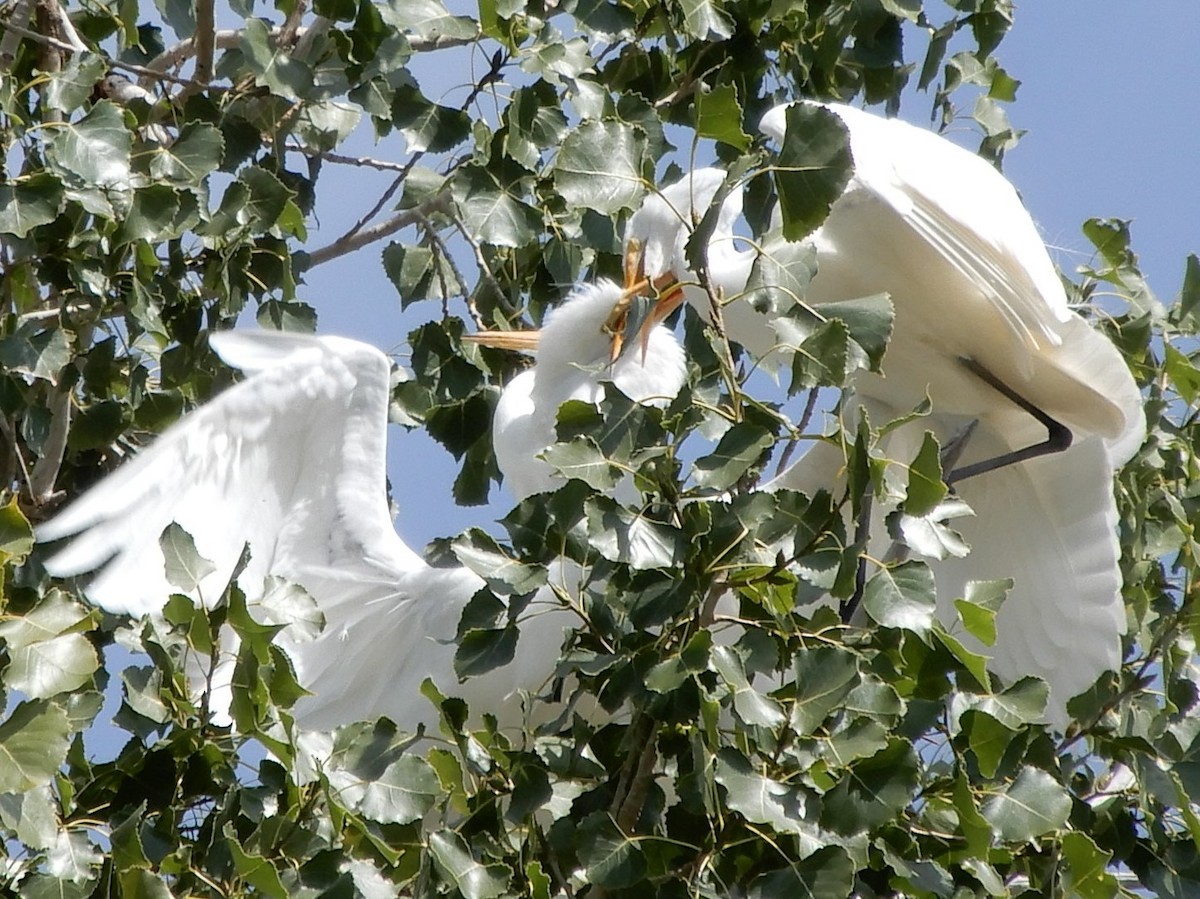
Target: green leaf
{"x": 826, "y": 874}
{"x": 1189, "y": 294}
{"x": 16, "y": 535}
{"x": 988, "y": 738}
{"x": 824, "y": 677}
{"x": 185, "y": 567}
{"x": 974, "y": 826}
{"x": 96, "y": 148}
{"x": 870, "y": 321}
{"x": 813, "y": 168}
{"x": 193, "y": 155}
{"x": 256, "y": 870}
{"x": 719, "y": 116}
{"x": 902, "y": 597}
{"x": 33, "y": 743}
{"x": 925, "y": 486}
{"x": 71, "y": 87}
{"x": 430, "y": 21}
{"x": 610, "y": 858}
{"x": 455, "y": 863}
{"x": 493, "y": 210}
{"x": 742, "y": 446}
{"x": 1022, "y": 703}
{"x": 978, "y": 609}
{"x": 751, "y": 706}
{"x": 407, "y": 789}
{"x": 483, "y": 555}
{"x": 874, "y": 791}
{"x": 1032, "y": 805}
{"x": 620, "y": 535}
{"x": 975, "y": 663}
{"x": 706, "y": 20}
{"x": 426, "y": 126}
{"x": 45, "y": 657}
{"x": 28, "y": 203}
{"x": 1184, "y": 375}
{"x": 601, "y": 166}
{"x": 42, "y": 355}
{"x": 764, "y": 800}
{"x": 1087, "y": 868}
{"x": 481, "y": 650}
{"x": 272, "y": 67}
{"x": 581, "y": 458}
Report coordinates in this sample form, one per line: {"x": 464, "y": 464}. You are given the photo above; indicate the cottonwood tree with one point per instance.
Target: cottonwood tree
{"x": 161, "y": 169}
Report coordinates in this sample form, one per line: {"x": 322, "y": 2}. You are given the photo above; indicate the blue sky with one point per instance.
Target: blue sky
{"x": 1109, "y": 98}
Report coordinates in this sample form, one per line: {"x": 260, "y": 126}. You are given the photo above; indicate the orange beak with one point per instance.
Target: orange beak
{"x": 665, "y": 291}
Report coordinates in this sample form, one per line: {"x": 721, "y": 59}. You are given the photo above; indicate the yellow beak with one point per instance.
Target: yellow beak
{"x": 666, "y": 290}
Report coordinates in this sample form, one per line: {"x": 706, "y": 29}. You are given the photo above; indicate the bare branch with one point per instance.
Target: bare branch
{"x": 15, "y": 29}
{"x": 205, "y": 29}
{"x": 485, "y": 272}
{"x": 356, "y": 240}
{"x": 360, "y": 161}
{"x": 65, "y": 26}
{"x": 45, "y": 470}
{"x": 291, "y": 25}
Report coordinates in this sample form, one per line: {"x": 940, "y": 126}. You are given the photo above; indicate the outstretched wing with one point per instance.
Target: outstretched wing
{"x": 290, "y": 462}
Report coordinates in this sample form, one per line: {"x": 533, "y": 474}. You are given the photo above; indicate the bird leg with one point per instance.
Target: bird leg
{"x": 1058, "y": 435}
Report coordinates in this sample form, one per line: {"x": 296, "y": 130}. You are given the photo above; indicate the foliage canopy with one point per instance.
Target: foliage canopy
{"x": 136, "y": 217}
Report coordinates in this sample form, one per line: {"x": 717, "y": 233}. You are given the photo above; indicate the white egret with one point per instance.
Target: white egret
{"x": 291, "y": 463}
{"x": 983, "y": 328}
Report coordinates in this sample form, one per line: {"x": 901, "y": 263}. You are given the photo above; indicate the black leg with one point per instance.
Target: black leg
{"x": 1058, "y": 435}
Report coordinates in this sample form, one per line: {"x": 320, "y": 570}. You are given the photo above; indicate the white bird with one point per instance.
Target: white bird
{"x": 979, "y": 309}
{"x": 291, "y": 462}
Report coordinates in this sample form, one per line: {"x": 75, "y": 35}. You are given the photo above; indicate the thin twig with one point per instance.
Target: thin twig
{"x": 805, "y": 417}
{"x": 485, "y": 270}
{"x": 7, "y": 432}
{"x": 368, "y": 162}
{"x": 352, "y": 241}
{"x": 437, "y": 241}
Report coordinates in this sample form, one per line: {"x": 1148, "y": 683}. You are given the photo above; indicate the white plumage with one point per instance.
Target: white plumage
{"x": 291, "y": 462}
{"x": 946, "y": 236}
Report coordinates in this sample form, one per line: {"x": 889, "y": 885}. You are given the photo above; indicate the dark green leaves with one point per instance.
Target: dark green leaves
{"x": 813, "y": 168}
{"x": 1033, "y": 804}
{"x": 27, "y": 203}
{"x": 95, "y": 149}
{"x": 33, "y": 743}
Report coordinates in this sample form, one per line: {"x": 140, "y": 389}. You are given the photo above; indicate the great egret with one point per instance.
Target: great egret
{"x": 980, "y": 310}
{"x": 291, "y": 463}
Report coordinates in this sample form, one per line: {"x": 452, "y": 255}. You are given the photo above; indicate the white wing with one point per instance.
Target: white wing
{"x": 947, "y": 236}
{"x": 291, "y": 462}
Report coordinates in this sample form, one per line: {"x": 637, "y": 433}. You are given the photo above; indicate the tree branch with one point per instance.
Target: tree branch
{"x": 15, "y": 28}
{"x": 230, "y": 38}
{"x": 65, "y": 26}
{"x": 356, "y": 240}
{"x": 205, "y": 29}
